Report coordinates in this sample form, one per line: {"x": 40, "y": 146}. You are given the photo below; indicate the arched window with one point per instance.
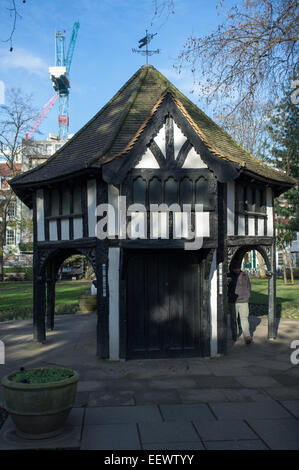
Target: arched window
{"x": 155, "y": 191}
{"x": 139, "y": 191}
{"x": 186, "y": 191}
{"x": 171, "y": 187}
{"x": 201, "y": 192}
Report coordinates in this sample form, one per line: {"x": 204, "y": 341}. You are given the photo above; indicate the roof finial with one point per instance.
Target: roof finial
{"x": 144, "y": 42}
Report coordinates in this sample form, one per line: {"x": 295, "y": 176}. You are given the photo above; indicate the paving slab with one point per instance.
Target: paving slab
{"x": 292, "y": 406}
{"x": 283, "y": 393}
{"x": 156, "y": 397}
{"x": 172, "y": 383}
{"x": 105, "y": 398}
{"x": 223, "y": 430}
{"x": 288, "y": 380}
{"x": 69, "y": 439}
{"x": 225, "y": 370}
{"x": 175, "y": 431}
{"x": 217, "y": 382}
{"x": 245, "y": 395}
{"x": 254, "y": 410}
{"x": 279, "y": 434}
{"x": 126, "y": 384}
{"x": 257, "y": 382}
{"x": 123, "y": 414}
{"x": 205, "y": 395}
{"x": 110, "y": 437}
{"x": 91, "y": 385}
{"x": 235, "y": 445}
{"x": 174, "y": 446}
{"x": 187, "y": 412}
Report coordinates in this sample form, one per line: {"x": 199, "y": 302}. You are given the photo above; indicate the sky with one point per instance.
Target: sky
{"x": 103, "y": 59}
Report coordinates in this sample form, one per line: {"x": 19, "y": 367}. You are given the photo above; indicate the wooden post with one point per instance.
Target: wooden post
{"x": 50, "y": 296}
{"x": 222, "y": 271}
{"x": 102, "y": 283}
{"x": 39, "y": 297}
{"x": 39, "y": 307}
{"x": 272, "y": 297}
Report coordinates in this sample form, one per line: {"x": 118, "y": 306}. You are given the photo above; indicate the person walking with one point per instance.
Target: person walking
{"x": 239, "y": 290}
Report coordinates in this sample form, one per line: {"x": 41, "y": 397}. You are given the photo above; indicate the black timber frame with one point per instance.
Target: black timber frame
{"x": 115, "y": 171}
{"x": 204, "y": 257}
{"x": 47, "y": 258}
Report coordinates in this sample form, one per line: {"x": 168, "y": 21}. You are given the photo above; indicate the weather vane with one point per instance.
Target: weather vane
{"x": 145, "y": 42}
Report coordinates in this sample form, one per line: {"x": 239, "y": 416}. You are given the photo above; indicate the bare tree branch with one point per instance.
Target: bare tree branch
{"x": 254, "y": 51}
{"x": 14, "y": 13}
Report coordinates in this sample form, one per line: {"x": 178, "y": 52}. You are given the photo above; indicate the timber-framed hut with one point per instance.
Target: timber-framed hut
{"x": 158, "y": 295}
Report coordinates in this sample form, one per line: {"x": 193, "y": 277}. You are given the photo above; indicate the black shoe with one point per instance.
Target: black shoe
{"x": 248, "y": 340}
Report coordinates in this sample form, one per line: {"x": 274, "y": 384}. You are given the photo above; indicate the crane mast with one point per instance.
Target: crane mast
{"x": 59, "y": 75}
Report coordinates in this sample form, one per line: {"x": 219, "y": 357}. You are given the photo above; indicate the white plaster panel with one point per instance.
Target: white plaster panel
{"x": 269, "y": 204}
{"x": 251, "y": 226}
{"x": 40, "y": 215}
{"x": 231, "y": 208}
{"x": 178, "y": 139}
{"x": 194, "y": 160}
{"x": 148, "y": 161}
{"x": 92, "y": 205}
{"x": 159, "y": 224}
{"x": 160, "y": 140}
{"x": 261, "y": 227}
{"x": 202, "y": 221}
{"x": 53, "y": 230}
{"x": 241, "y": 225}
{"x": 113, "y": 282}
{"x": 78, "y": 227}
{"x": 65, "y": 229}
{"x": 213, "y": 306}
{"x": 113, "y": 210}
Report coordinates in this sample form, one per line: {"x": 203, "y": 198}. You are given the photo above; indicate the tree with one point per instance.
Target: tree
{"x": 284, "y": 134}
{"x": 14, "y": 14}
{"x": 247, "y": 125}
{"x": 15, "y": 119}
{"x": 253, "y": 51}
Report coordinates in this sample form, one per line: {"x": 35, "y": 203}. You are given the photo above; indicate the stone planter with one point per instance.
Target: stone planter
{"x": 87, "y": 303}
{"x": 39, "y": 410}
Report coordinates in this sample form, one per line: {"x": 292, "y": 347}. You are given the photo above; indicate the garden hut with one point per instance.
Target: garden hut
{"x": 161, "y": 201}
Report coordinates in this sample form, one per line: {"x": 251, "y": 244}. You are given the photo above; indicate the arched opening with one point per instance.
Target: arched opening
{"x": 258, "y": 262}
{"x": 63, "y": 277}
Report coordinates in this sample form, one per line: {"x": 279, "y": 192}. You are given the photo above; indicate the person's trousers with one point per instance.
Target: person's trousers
{"x": 241, "y": 309}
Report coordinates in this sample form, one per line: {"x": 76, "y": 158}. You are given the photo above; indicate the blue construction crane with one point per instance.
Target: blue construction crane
{"x": 59, "y": 75}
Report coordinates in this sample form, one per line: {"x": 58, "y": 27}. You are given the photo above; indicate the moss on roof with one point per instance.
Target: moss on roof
{"x": 115, "y": 129}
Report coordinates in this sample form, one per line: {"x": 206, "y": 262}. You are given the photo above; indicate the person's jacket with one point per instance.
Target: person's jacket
{"x": 239, "y": 288}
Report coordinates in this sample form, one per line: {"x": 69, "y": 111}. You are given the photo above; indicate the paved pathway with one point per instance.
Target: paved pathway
{"x": 248, "y": 399}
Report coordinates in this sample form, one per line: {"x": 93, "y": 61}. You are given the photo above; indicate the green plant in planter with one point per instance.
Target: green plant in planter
{"x": 39, "y": 400}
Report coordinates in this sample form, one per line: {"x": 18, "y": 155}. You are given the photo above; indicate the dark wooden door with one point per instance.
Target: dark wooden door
{"x": 163, "y": 305}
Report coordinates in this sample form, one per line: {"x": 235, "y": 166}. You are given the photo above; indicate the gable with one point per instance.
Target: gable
{"x": 170, "y": 148}
{"x": 122, "y": 130}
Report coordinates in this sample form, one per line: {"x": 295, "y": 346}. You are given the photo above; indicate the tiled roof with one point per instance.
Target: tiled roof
{"x": 115, "y": 129}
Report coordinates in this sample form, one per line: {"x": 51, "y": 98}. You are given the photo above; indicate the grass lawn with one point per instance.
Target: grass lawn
{"x": 16, "y": 298}
{"x": 287, "y": 298}
{"x": 285, "y": 294}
